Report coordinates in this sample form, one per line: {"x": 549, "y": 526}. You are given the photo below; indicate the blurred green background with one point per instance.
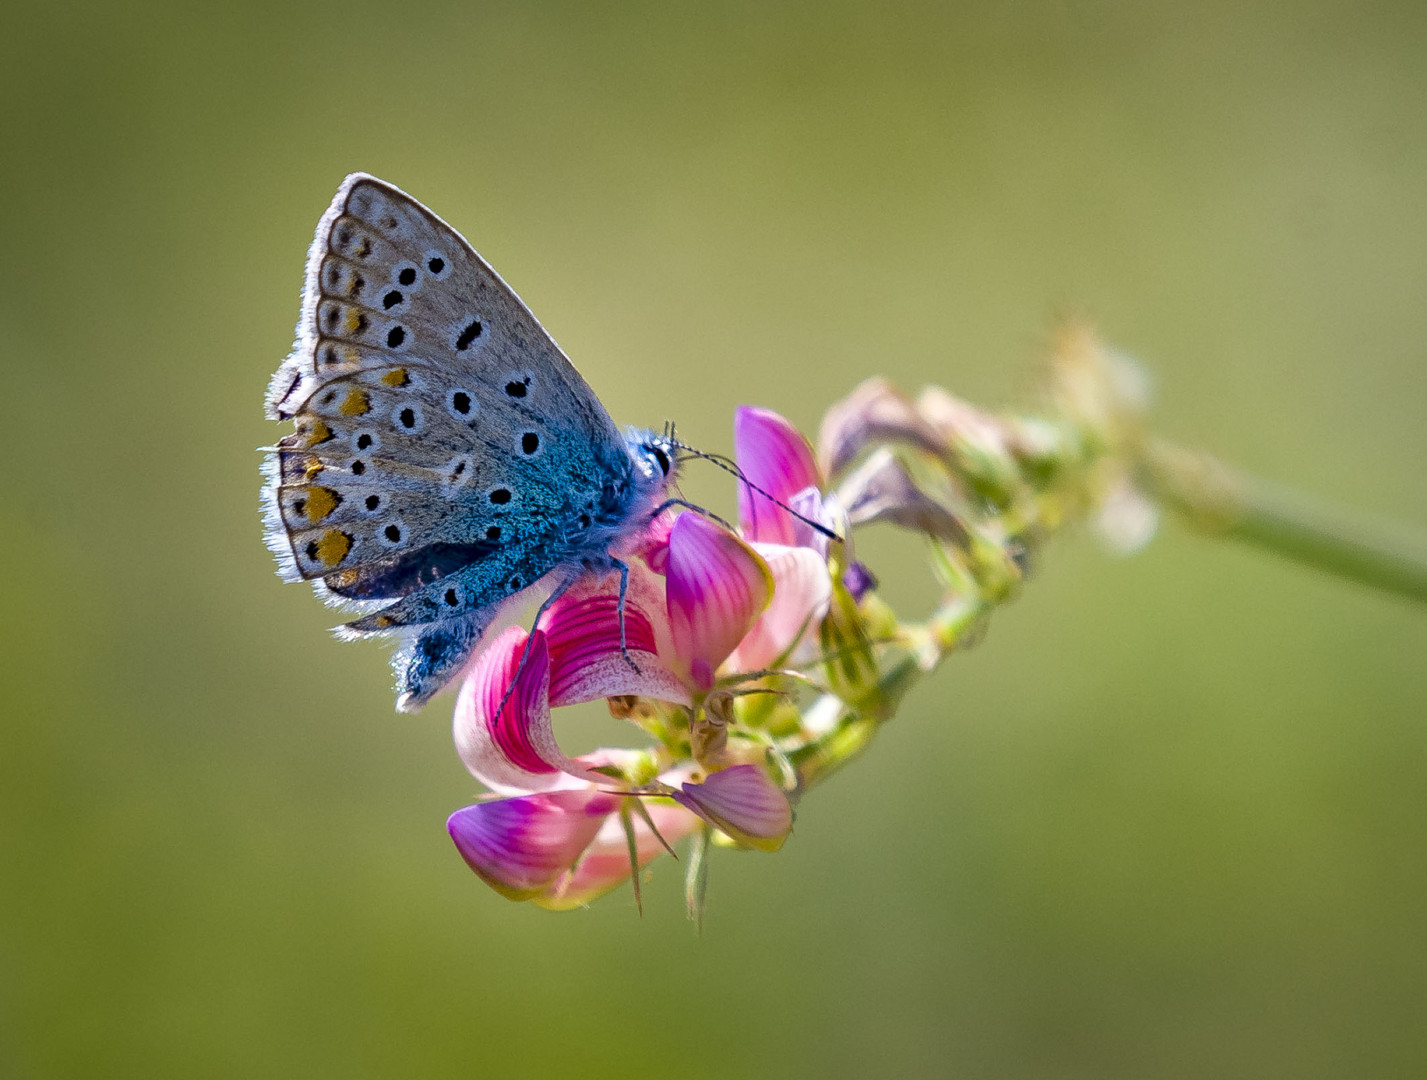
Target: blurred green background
{"x": 1168, "y": 820}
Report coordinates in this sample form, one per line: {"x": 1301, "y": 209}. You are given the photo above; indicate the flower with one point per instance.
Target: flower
{"x": 561, "y": 832}
{"x": 774, "y": 456}
{"x": 718, "y": 635}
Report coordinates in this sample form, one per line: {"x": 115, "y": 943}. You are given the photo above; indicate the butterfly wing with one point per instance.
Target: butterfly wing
{"x": 441, "y": 436}
{"x": 431, "y": 409}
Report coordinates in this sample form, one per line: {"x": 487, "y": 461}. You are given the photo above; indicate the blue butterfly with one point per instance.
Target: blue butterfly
{"x": 447, "y": 455}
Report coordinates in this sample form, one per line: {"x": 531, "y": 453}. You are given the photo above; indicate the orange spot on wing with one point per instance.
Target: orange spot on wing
{"x": 396, "y": 377}
{"x": 320, "y": 502}
{"x": 333, "y": 547}
{"x": 355, "y": 403}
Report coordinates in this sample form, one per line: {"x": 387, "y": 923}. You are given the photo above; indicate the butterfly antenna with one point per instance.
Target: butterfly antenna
{"x": 729, "y": 466}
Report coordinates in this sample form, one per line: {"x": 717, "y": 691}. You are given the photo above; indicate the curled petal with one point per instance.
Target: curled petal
{"x": 582, "y": 632}
{"x": 802, "y": 590}
{"x": 513, "y": 751}
{"x": 775, "y": 456}
{"x": 881, "y": 489}
{"x": 875, "y": 412}
{"x": 520, "y": 846}
{"x": 961, "y": 425}
{"x": 717, "y": 587}
{"x": 605, "y": 863}
{"x": 744, "y": 803}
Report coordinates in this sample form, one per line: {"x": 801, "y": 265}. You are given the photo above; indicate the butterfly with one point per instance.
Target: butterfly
{"x": 446, "y": 454}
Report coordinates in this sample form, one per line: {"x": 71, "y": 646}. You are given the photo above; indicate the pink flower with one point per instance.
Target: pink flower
{"x": 557, "y": 837}
{"x": 775, "y": 457}
{"x": 704, "y": 609}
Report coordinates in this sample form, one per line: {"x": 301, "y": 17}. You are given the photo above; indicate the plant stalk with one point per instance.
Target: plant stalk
{"x": 1213, "y": 498}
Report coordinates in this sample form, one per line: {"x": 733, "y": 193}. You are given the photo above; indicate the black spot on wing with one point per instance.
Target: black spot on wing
{"x": 468, "y": 335}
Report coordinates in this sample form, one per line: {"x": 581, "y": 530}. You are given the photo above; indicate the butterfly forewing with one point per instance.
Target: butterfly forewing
{"x": 435, "y": 418}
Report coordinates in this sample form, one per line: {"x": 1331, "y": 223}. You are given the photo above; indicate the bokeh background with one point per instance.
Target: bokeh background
{"x": 1168, "y": 820}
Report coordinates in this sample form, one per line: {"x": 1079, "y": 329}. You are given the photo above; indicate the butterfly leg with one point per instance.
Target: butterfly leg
{"x": 623, "y": 568}
{"x": 561, "y": 587}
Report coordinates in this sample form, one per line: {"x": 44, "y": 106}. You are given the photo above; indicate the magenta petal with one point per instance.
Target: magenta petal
{"x": 744, "y": 803}
{"x": 717, "y": 587}
{"x": 515, "y": 751}
{"x": 775, "y": 456}
{"x": 520, "y": 846}
{"x": 583, "y": 634}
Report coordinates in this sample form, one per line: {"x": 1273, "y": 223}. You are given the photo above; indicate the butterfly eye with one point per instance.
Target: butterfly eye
{"x": 661, "y": 457}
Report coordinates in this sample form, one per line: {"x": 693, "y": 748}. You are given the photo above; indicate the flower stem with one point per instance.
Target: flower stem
{"x": 1215, "y": 499}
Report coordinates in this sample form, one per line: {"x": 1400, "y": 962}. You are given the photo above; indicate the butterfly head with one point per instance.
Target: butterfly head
{"x": 655, "y": 457}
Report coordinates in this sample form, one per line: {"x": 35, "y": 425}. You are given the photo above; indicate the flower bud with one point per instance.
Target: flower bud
{"x": 875, "y": 412}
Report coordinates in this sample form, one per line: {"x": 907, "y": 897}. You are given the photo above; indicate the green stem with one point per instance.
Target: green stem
{"x": 1217, "y": 500}
{"x": 814, "y": 762}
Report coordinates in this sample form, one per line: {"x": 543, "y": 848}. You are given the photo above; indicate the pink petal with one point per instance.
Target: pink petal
{"x": 652, "y": 545}
{"x": 717, "y": 587}
{"x": 802, "y": 590}
{"x": 514, "y": 752}
{"x": 582, "y": 632}
{"x": 520, "y": 846}
{"x": 774, "y": 455}
{"x": 744, "y": 803}
{"x": 605, "y": 863}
